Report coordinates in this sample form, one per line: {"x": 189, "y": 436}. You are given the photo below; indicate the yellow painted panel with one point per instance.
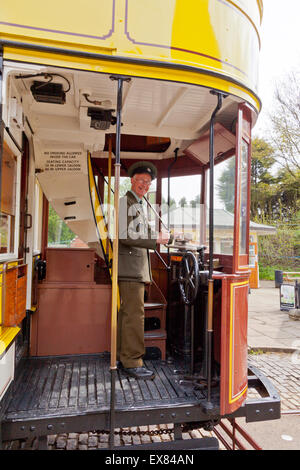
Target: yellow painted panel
{"x": 221, "y": 36}
{"x": 214, "y": 34}
{"x": 7, "y": 335}
{"x": 88, "y": 22}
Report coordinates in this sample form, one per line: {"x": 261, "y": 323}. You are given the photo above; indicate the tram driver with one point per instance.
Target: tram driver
{"x": 136, "y": 238}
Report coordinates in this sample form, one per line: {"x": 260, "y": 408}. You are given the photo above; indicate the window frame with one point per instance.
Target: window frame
{"x": 10, "y": 143}
{"x": 243, "y": 137}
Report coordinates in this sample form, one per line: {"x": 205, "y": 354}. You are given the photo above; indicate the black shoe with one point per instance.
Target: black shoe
{"x": 140, "y": 373}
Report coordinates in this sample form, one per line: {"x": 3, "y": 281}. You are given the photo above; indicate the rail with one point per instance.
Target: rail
{"x": 240, "y": 439}
{"x": 290, "y": 276}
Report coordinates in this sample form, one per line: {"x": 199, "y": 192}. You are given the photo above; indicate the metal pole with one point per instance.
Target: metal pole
{"x": 109, "y": 192}
{"x": 155, "y": 213}
{"x": 211, "y": 250}
{"x": 114, "y": 300}
{"x": 169, "y": 175}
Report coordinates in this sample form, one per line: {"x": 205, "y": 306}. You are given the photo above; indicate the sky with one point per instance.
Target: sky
{"x": 280, "y": 51}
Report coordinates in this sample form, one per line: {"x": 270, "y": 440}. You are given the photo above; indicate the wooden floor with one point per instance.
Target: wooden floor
{"x": 67, "y": 385}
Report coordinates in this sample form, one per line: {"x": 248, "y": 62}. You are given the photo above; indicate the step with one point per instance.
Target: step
{"x": 154, "y": 305}
{"x": 156, "y": 339}
{"x": 156, "y": 310}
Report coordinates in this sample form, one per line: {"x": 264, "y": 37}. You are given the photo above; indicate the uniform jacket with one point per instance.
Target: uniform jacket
{"x": 136, "y": 238}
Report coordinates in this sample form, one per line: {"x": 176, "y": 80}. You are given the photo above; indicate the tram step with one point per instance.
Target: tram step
{"x": 153, "y": 305}
{"x": 156, "y": 310}
{"x": 156, "y": 339}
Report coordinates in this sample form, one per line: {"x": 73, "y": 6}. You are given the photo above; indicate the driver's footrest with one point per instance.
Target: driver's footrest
{"x": 156, "y": 339}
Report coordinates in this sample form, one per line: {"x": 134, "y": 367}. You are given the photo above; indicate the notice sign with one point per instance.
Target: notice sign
{"x": 62, "y": 160}
{"x": 287, "y": 296}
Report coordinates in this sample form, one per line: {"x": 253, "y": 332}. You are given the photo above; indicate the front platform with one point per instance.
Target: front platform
{"x": 52, "y": 395}
{"x": 72, "y": 393}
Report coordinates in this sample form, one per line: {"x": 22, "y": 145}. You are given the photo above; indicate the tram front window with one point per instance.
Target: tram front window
{"x": 185, "y": 214}
{"x": 224, "y": 189}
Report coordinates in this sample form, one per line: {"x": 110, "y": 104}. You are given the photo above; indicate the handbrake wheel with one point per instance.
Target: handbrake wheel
{"x": 188, "y": 278}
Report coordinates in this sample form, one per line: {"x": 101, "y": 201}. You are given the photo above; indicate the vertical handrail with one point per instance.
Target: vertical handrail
{"x": 100, "y": 222}
{"x": 109, "y": 187}
{"x": 209, "y": 330}
{"x": 114, "y": 307}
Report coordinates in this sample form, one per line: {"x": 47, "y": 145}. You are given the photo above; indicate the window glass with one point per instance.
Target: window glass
{"x": 224, "y": 189}
{"x": 60, "y": 235}
{"x": 252, "y": 255}
{"x": 185, "y": 215}
{"x": 125, "y": 185}
{"x": 244, "y": 200}
{"x": 9, "y": 170}
{"x": 38, "y": 212}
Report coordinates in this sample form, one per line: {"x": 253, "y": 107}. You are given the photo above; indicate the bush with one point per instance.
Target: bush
{"x": 279, "y": 251}
{"x": 266, "y": 272}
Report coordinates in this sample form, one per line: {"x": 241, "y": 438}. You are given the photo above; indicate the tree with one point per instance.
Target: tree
{"x": 225, "y": 185}
{"x": 58, "y": 231}
{"x": 196, "y": 201}
{"x": 164, "y": 205}
{"x": 275, "y": 195}
{"x": 263, "y": 159}
{"x": 183, "y": 201}
{"x": 262, "y": 163}
{"x": 285, "y": 120}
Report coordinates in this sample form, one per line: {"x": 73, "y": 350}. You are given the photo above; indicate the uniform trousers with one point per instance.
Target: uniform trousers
{"x": 130, "y": 340}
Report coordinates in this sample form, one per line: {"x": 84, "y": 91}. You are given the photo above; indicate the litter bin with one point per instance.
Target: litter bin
{"x": 278, "y": 278}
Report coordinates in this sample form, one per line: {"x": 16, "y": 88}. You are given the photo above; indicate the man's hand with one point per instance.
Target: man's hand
{"x": 163, "y": 238}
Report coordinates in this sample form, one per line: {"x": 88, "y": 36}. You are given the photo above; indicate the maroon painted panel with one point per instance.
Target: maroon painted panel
{"x": 234, "y": 368}
{"x": 72, "y": 319}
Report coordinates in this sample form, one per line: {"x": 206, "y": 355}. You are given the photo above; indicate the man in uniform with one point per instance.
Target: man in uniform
{"x": 136, "y": 238}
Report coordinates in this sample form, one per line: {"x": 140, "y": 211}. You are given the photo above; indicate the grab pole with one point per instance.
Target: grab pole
{"x": 209, "y": 330}
{"x": 114, "y": 299}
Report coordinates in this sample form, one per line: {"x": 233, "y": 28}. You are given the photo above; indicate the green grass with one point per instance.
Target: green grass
{"x": 268, "y": 272}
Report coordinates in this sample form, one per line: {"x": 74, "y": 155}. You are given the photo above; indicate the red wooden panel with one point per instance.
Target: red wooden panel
{"x": 234, "y": 368}
{"x": 70, "y": 265}
{"x": 72, "y": 319}
{"x": 15, "y": 283}
{"x": 21, "y": 296}
{"x": 9, "y": 292}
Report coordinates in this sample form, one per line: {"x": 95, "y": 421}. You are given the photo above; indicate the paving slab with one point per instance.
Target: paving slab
{"x": 282, "y": 434}
{"x": 269, "y": 328}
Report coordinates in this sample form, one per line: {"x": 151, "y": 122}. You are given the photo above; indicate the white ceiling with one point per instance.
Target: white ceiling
{"x": 150, "y": 107}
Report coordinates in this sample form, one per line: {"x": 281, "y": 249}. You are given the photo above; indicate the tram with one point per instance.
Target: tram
{"x": 85, "y": 92}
